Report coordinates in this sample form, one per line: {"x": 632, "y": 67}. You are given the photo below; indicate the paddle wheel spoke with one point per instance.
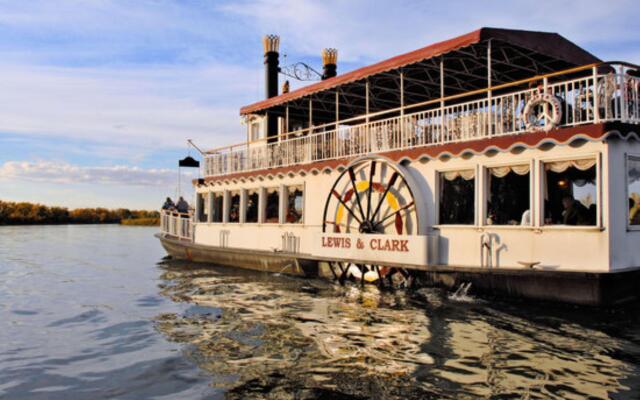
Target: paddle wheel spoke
{"x": 392, "y": 181}
{"x": 363, "y": 270}
{"x": 336, "y": 224}
{"x": 372, "y": 172}
{"x": 346, "y": 206}
{"x": 352, "y": 178}
{"x": 380, "y": 277}
{"x": 343, "y": 274}
{"x": 381, "y": 222}
{"x": 333, "y": 272}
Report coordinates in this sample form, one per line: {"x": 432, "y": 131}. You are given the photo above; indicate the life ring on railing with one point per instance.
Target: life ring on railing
{"x": 539, "y": 118}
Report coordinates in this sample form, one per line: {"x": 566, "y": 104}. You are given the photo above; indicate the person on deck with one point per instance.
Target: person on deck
{"x": 526, "y": 218}
{"x": 574, "y": 212}
{"x": 168, "y": 204}
{"x": 182, "y": 206}
{"x": 634, "y": 212}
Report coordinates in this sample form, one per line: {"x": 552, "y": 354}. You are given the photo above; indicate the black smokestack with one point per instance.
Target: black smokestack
{"x": 271, "y": 45}
{"x": 329, "y": 63}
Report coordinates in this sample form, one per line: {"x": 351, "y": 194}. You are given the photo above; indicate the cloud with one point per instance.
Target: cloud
{"x": 172, "y": 70}
{"x": 145, "y": 74}
{"x": 158, "y": 107}
{"x": 114, "y": 31}
{"x": 365, "y": 30}
{"x": 64, "y": 173}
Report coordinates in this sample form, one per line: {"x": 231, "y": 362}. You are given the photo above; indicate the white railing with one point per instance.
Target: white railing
{"x": 615, "y": 98}
{"x": 176, "y": 224}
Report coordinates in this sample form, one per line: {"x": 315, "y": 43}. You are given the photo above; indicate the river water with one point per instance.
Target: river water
{"x": 93, "y": 312}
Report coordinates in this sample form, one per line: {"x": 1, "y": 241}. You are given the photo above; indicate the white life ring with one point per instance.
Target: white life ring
{"x": 551, "y": 116}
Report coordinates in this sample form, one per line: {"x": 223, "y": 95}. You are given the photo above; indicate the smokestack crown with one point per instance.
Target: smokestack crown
{"x": 271, "y": 43}
{"x": 329, "y": 56}
{"x": 329, "y": 63}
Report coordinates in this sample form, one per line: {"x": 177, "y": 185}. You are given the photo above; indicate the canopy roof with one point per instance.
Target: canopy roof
{"x": 516, "y": 54}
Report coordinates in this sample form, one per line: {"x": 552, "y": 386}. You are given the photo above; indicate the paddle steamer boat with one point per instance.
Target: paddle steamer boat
{"x": 505, "y": 158}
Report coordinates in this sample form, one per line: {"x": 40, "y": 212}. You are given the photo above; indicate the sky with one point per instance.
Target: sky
{"x": 98, "y": 97}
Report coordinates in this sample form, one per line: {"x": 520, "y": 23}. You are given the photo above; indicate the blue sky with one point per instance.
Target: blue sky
{"x": 98, "y": 97}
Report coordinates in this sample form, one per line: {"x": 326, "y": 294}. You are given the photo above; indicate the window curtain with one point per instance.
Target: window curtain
{"x": 561, "y": 166}
{"x": 273, "y": 190}
{"x": 293, "y": 188}
{"x": 633, "y": 169}
{"x": 467, "y": 175}
{"x": 501, "y": 172}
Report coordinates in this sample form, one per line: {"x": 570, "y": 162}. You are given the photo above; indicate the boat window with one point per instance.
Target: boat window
{"x": 234, "y": 209}
{"x": 253, "y": 200}
{"x": 200, "y": 206}
{"x": 217, "y": 207}
{"x": 294, "y": 204}
{"x": 570, "y": 192}
{"x": 509, "y": 195}
{"x": 457, "y": 197}
{"x": 254, "y": 131}
{"x": 272, "y": 212}
{"x": 633, "y": 189}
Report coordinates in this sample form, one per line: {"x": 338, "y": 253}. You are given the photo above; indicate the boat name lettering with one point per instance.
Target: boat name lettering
{"x": 340, "y": 242}
{"x": 390, "y": 245}
{"x": 376, "y": 244}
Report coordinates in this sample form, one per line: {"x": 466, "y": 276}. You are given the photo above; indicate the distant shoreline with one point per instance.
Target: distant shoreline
{"x": 24, "y": 213}
{"x": 132, "y": 222}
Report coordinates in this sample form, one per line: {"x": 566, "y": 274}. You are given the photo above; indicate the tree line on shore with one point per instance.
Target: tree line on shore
{"x": 23, "y": 213}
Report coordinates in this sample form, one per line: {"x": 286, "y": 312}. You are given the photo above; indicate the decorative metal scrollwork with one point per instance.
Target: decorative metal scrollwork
{"x": 301, "y": 71}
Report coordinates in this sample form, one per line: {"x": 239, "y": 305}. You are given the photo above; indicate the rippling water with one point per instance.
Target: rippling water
{"x": 91, "y": 312}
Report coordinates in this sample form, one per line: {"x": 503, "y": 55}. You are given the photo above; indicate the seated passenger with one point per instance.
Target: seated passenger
{"x": 574, "y": 212}
{"x": 526, "y": 218}
{"x": 491, "y": 214}
{"x": 234, "y": 216}
{"x": 592, "y": 214}
{"x": 634, "y": 213}
{"x": 293, "y": 216}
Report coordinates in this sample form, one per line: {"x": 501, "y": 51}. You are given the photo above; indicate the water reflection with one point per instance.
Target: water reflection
{"x": 82, "y": 317}
{"x": 266, "y": 336}
{"x": 289, "y": 334}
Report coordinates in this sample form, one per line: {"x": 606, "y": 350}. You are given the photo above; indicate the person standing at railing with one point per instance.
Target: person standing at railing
{"x": 168, "y": 204}
{"x": 182, "y": 207}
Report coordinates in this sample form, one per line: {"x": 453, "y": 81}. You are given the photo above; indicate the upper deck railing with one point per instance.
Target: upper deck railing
{"x": 598, "y": 97}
